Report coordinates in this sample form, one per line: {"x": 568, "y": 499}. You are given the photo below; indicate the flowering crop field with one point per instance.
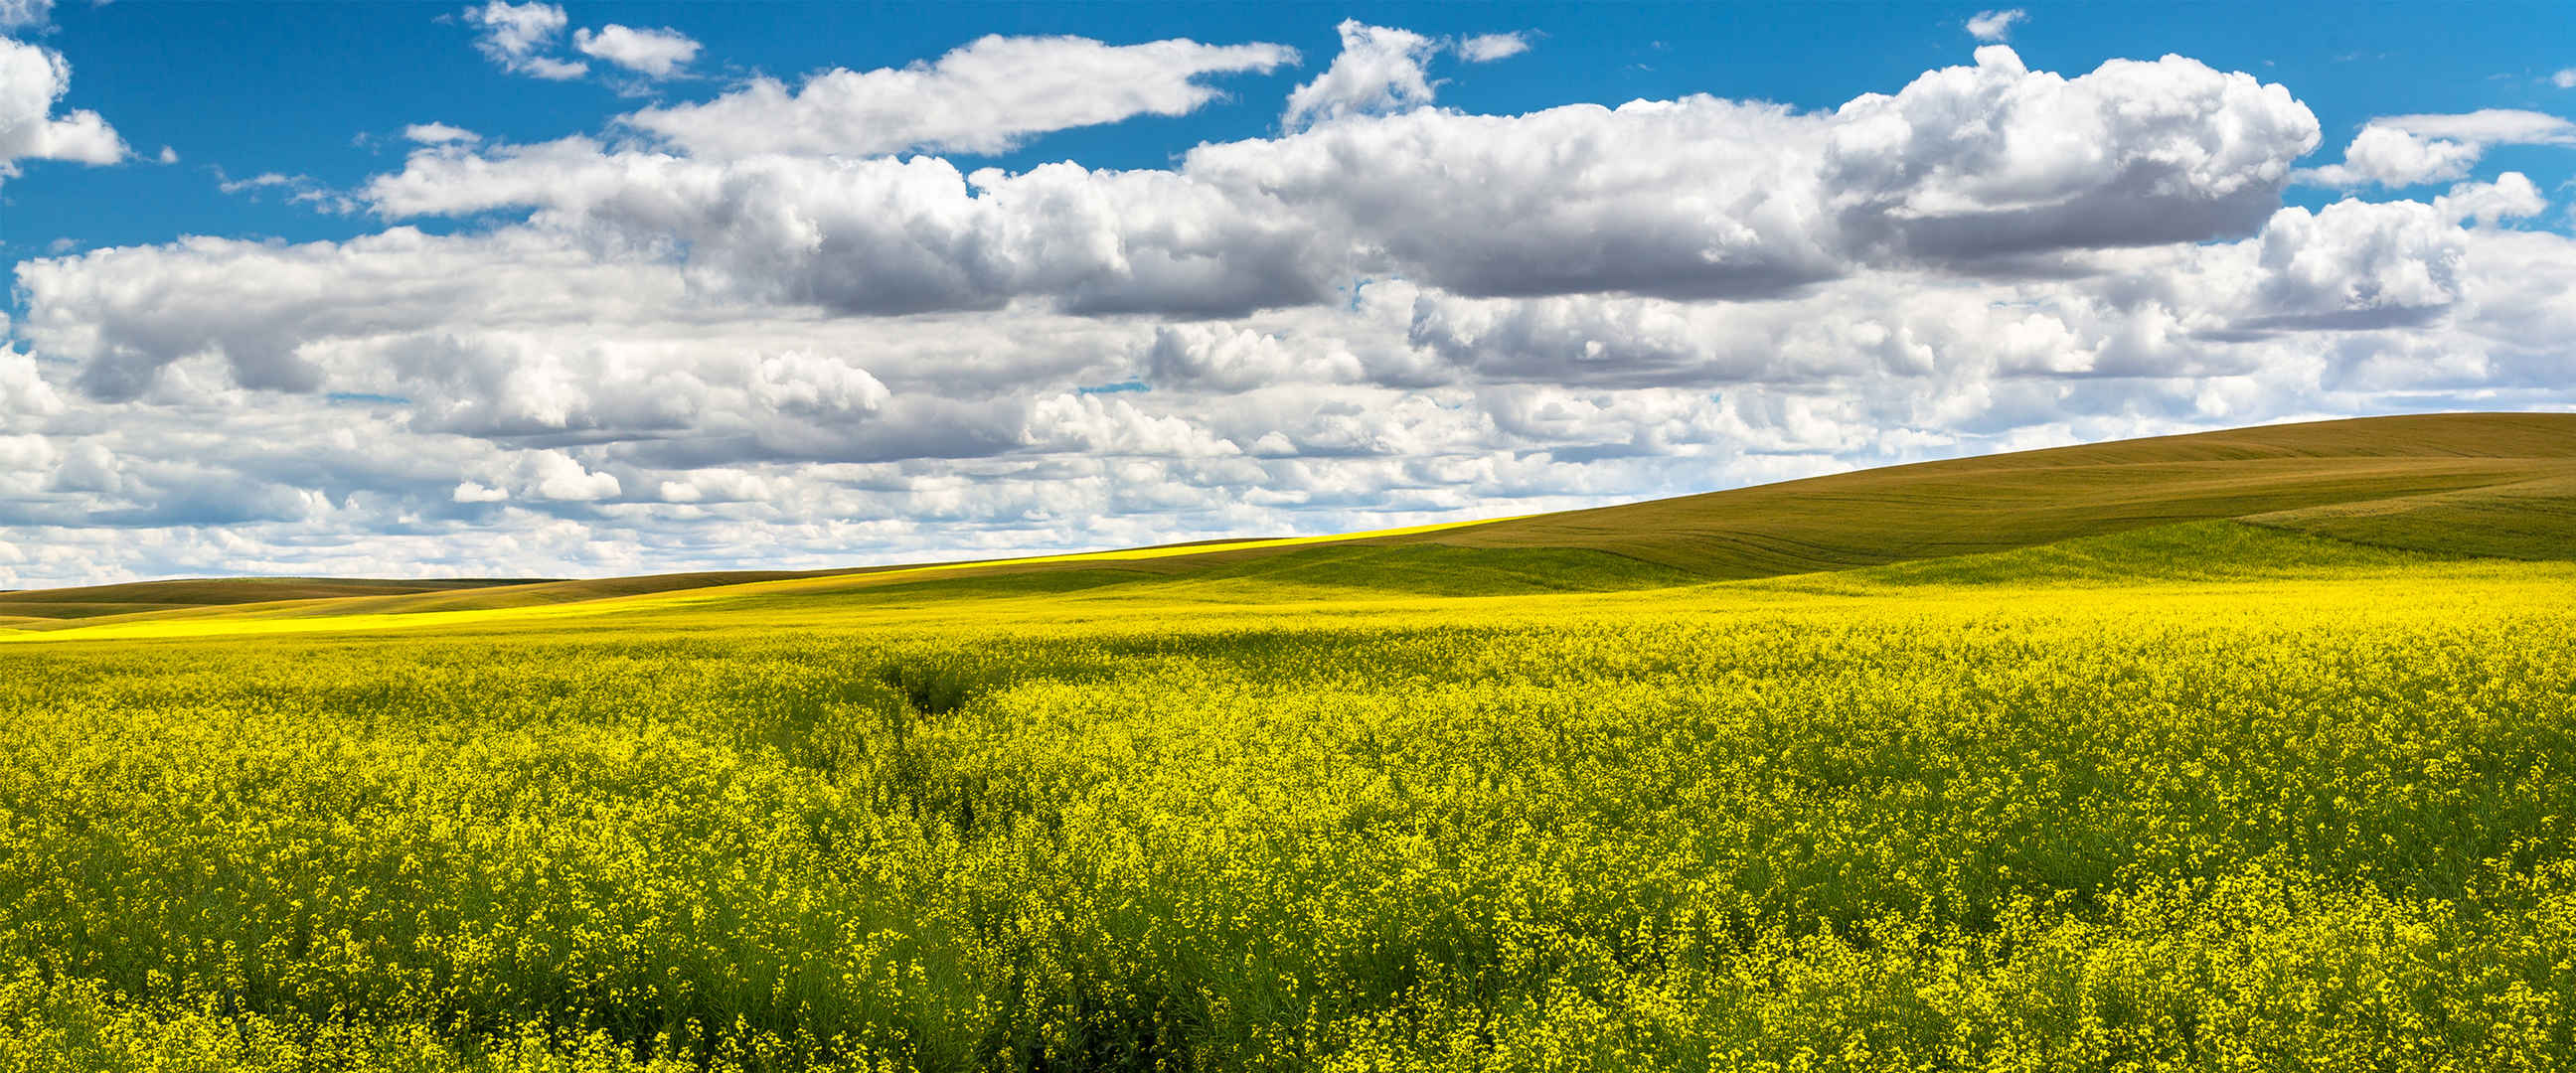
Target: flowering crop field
{"x": 2288, "y": 805}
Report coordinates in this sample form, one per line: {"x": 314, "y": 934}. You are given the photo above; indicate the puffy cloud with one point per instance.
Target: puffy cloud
{"x": 24, "y": 392}
{"x": 1486, "y": 48}
{"x": 1997, "y": 159}
{"x": 2511, "y": 196}
{"x": 1730, "y": 200}
{"x": 1559, "y": 200}
{"x": 1232, "y": 358}
{"x": 32, "y": 80}
{"x": 2564, "y": 79}
{"x": 648, "y": 355}
{"x": 1994, "y": 25}
{"x": 883, "y": 236}
{"x": 2388, "y": 156}
{"x": 651, "y": 53}
{"x": 2407, "y": 150}
{"x": 1379, "y": 70}
{"x": 517, "y": 36}
{"x": 262, "y": 309}
{"x": 817, "y": 387}
{"x": 439, "y": 134}
{"x": 555, "y": 475}
{"x": 984, "y": 97}
{"x": 2354, "y": 264}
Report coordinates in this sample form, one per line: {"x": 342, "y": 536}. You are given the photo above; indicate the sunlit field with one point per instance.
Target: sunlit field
{"x": 2209, "y": 797}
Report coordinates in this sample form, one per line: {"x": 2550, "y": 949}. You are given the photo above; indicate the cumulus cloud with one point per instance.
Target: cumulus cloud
{"x": 1732, "y": 201}
{"x": 2388, "y": 156}
{"x": 984, "y": 97}
{"x": 439, "y": 134}
{"x": 1994, "y": 25}
{"x": 885, "y": 235}
{"x": 32, "y": 80}
{"x": 1999, "y": 159}
{"x": 24, "y": 392}
{"x": 818, "y": 387}
{"x": 640, "y": 353}
{"x": 2355, "y": 264}
{"x": 2511, "y": 196}
{"x": 2408, "y": 150}
{"x": 1379, "y": 70}
{"x": 1486, "y": 48}
{"x": 652, "y": 53}
{"x": 518, "y": 36}
{"x": 2564, "y": 79}
{"x": 556, "y": 475}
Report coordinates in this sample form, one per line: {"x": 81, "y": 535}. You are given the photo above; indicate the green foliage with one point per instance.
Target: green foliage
{"x": 936, "y": 685}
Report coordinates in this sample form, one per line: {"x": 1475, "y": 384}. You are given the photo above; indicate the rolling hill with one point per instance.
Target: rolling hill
{"x": 2446, "y": 485}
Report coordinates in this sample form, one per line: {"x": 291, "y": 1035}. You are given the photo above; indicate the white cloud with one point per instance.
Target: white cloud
{"x": 2355, "y": 264}
{"x": 651, "y": 53}
{"x": 1725, "y": 200}
{"x": 2408, "y": 150}
{"x": 818, "y": 387}
{"x": 24, "y": 392}
{"x": 1994, "y": 25}
{"x": 1486, "y": 48}
{"x": 2564, "y": 79}
{"x": 168, "y": 155}
{"x": 261, "y": 182}
{"x": 439, "y": 134}
{"x": 32, "y": 80}
{"x": 21, "y": 14}
{"x": 1997, "y": 159}
{"x": 2511, "y": 196}
{"x": 984, "y": 97}
{"x": 557, "y": 476}
{"x": 682, "y": 351}
{"x": 518, "y": 36}
{"x": 2489, "y": 126}
{"x": 2388, "y": 156}
{"x": 1379, "y": 70}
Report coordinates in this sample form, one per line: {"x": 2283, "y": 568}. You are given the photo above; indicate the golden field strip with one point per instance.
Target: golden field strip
{"x": 2174, "y": 794}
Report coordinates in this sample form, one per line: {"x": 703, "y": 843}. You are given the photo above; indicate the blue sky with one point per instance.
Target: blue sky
{"x": 742, "y": 292}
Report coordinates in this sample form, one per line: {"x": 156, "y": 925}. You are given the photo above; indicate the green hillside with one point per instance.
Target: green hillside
{"x": 147, "y": 596}
{"x": 2502, "y": 484}
{"x": 2499, "y": 485}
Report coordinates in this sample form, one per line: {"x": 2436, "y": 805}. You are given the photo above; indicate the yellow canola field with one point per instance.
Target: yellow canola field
{"x": 2324, "y": 821}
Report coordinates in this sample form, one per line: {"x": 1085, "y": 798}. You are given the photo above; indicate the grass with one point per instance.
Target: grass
{"x": 2285, "y": 792}
{"x": 101, "y": 600}
{"x": 2292, "y": 476}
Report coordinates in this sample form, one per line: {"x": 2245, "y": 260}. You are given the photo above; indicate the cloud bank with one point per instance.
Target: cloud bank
{"x": 795, "y": 324}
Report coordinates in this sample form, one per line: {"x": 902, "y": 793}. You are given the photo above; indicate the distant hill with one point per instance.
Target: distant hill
{"x": 2445, "y": 485}
{"x": 133, "y": 597}
{"x": 2480, "y": 484}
